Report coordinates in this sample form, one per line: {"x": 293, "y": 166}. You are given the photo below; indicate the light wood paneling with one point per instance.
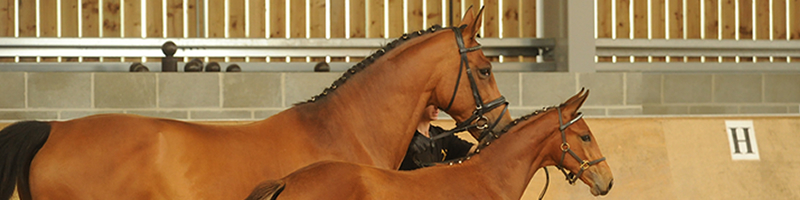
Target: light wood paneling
{"x": 375, "y": 21}
{"x": 358, "y": 28}
{"x": 433, "y": 14}
{"x": 174, "y": 18}
{"x": 414, "y": 16}
{"x": 236, "y": 21}
{"x": 396, "y": 20}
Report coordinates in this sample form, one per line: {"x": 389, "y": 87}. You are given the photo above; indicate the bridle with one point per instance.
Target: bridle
{"x": 585, "y": 164}
{"x": 477, "y": 120}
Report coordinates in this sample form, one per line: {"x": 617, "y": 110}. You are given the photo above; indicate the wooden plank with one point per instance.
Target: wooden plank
{"x": 456, "y": 13}
{"x": 27, "y": 19}
{"x": 433, "y": 14}
{"x": 69, "y": 23}
{"x": 659, "y": 24}
{"x": 258, "y": 18}
{"x": 528, "y": 23}
{"x": 317, "y": 23}
{"x": 728, "y": 21}
{"x": 762, "y": 23}
{"x": 779, "y": 24}
{"x": 174, "y": 18}
{"x": 277, "y": 19}
{"x": 111, "y": 18}
{"x": 317, "y": 18}
{"x": 297, "y": 19}
{"x": 277, "y": 23}
{"x": 338, "y": 19}
{"x": 676, "y": 26}
{"x": 603, "y": 18}
{"x": 640, "y": 23}
{"x": 236, "y": 24}
{"x": 358, "y": 17}
{"x": 132, "y": 24}
{"x": 623, "y": 24}
{"x": 154, "y": 19}
{"x": 745, "y": 28}
{"x": 711, "y": 23}
{"x": 297, "y": 23}
{"x": 511, "y": 27}
{"x": 693, "y": 24}
{"x": 48, "y": 22}
{"x": 216, "y": 19}
{"x": 375, "y": 20}
{"x": 192, "y": 9}
{"x": 89, "y": 19}
{"x": 491, "y": 19}
{"x": 7, "y": 18}
{"x": 396, "y": 20}
{"x": 414, "y": 16}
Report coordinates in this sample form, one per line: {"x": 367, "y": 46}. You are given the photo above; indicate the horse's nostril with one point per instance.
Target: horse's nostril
{"x": 611, "y": 183}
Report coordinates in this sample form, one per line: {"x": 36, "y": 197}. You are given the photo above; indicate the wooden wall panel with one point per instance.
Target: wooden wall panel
{"x": 711, "y": 23}
{"x": 258, "y": 28}
{"x": 511, "y": 27}
{"x": 693, "y": 24}
{"x": 414, "y": 16}
{"x": 623, "y": 25}
{"x": 676, "y": 23}
{"x": 456, "y": 13}
{"x": 476, "y": 6}
{"x": 192, "y": 11}
{"x": 175, "y": 18}
{"x": 779, "y": 24}
{"x": 317, "y": 19}
{"x": 358, "y": 18}
{"x": 640, "y": 23}
{"x": 396, "y": 21}
{"x": 7, "y": 18}
{"x": 236, "y": 21}
{"x": 48, "y": 22}
{"x": 277, "y": 23}
{"x": 27, "y": 19}
{"x": 154, "y": 19}
{"x": 659, "y": 23}
{"x": 133, "y": 22}
{"x": 375, "y": 19}
{"x": 338, "y": 19}
{"x": 89, "y": 18}
{"x": 433, "y": 13}
{"x": 762, "y": 30}
{"x": 491, "y": 19}
{"x": 745, "y": 28}
{"x": 297, "y": 23}
{"x": 728, "y": 21}
{"x": 111, "y": 18}
{"x": 216, "y": 19}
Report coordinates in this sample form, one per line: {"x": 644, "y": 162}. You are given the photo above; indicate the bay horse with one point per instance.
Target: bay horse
{"x": 370, "y": 121}
{"x": 501, "y": 170}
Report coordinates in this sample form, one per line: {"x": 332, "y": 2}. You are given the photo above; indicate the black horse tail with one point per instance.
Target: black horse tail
{"x": 19, "y": 142}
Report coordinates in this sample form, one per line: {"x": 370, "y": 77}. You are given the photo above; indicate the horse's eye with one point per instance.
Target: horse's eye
{"x": 586, "y": 138}
{"x": 485, "y": 72}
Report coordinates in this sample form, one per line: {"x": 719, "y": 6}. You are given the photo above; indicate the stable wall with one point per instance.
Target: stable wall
{"x": 257, "y": 95}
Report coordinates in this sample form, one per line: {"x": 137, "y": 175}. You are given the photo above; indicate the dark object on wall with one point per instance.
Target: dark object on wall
{"x": 169, "y": 63}
{"x": 213, "y": 67}
{"x": 138, "y": 67}
{"x": 322, "y": 67}
{"x": 193, "y": 66}
{"x": 233, "y": 68}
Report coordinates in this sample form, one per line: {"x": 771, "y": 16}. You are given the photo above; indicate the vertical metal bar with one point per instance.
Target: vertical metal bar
{"x": 500, "y": 32}
{"x": 143, "y": 15}
{"x": 308, "y": 24}
{"x": 38, "y": 25}
{"x": 227, "y": 18}
{"x": 650, "y": 24}
{"x": 405, "y": 16}
{"x": 80, "y": 24}
{"x": 445, "y": 12}
{"x": 386, "y": 18}
{"x": 483, "y": 21}
{"x": 267, "y": 19}
{"x": 16, "y": 19}
{"x": 347, "y": 21}
{"x": 186, "y": 20}
{"x": 247, "y": 19}
{"x": 99, "y": 20}
{"x": 424, "y": 13}
{"x": 205, "y": 20}
{"x": 58, "y": 23}
{"x": 328, "y": 20}
{"x": 122, "y": 24}
{"x": 287, "y": 16}
{"x": 595, "y": 23}
{"x": 540, "y": 24}
{"x": 164, "y": 18}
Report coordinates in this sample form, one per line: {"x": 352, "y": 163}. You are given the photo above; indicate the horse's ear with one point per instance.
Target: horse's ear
{"x": 473, "y": 22}
{"x": 574, "y": 103}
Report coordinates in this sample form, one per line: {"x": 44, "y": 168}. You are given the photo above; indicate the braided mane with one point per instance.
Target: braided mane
{"x": 360, "y": 66}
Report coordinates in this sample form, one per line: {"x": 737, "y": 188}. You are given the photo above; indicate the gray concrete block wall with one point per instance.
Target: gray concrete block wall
{"x": 720, "y": 93}
{"x": 257, "y": 95}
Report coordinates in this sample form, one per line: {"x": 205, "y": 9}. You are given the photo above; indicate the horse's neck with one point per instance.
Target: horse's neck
{"x": 510, "y": 162}
{"x": 378, "y": 109}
